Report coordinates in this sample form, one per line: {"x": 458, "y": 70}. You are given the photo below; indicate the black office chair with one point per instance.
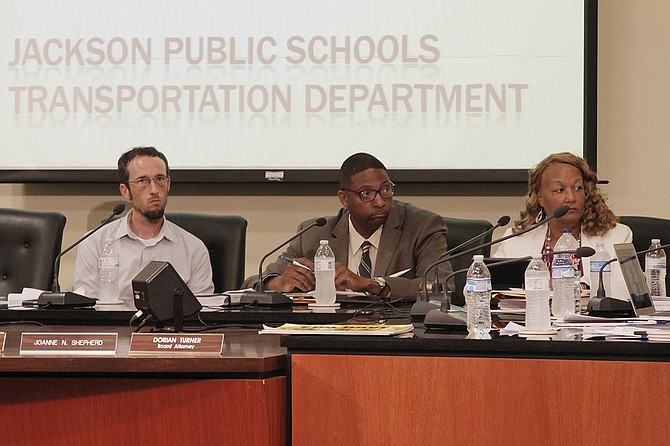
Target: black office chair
{"x": 458, "y": 231}
{"x": 29, "y": 244}
{"x": 225, "y": 237}
{"x": 644, "y": 229}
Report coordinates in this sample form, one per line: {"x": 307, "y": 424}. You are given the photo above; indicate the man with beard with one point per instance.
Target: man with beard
{"x": 398, "y": 237}
{"x": 144, "y": 234}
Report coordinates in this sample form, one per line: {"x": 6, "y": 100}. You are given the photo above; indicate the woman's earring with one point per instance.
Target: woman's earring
{"x": 540, "y": 216}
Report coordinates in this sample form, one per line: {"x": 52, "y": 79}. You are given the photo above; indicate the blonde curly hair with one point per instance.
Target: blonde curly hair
{"x": 597, "y": 218}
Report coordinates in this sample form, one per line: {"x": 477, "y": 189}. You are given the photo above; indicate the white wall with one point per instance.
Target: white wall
{"x": 633, "y": 113}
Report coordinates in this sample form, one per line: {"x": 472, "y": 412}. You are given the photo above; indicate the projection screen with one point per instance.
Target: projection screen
{"x": 285, "y": 90}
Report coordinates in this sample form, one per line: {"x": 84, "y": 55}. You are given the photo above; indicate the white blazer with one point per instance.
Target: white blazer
{"x": 532, "y": 242}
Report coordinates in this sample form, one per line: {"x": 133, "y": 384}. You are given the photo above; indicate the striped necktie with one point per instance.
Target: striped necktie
{"x": 365, "y": 268}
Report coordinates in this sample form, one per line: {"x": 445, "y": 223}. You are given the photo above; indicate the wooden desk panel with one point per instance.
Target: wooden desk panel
{"x": 400, "y": 400}
{"x": 125, "y": 411}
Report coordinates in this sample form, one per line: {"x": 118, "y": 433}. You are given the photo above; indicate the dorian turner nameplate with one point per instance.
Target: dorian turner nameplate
{"x": 70, "y": 344}
{"x": 176, "y": 343}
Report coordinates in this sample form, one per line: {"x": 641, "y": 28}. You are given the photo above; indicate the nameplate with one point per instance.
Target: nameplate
{"x": 176, "y": 343}
{"x": 70, "y": 344}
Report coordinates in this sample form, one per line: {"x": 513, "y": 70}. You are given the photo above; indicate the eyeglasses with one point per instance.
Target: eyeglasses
{"x": 142, "y": 182}
{"x": 370, "y": 194}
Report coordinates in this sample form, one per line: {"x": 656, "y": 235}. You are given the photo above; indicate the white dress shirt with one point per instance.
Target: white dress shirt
{"x": 355, "y": 251}
{"x": 185, "y": 252}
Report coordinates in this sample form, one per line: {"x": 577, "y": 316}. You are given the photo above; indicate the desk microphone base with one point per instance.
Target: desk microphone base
{"x": 64, "y": 300}
{"x": 436, "y": 319}
{"x": 264, "y": 298}
{"x": 421, "y": 308}
{"x": 610, "y": 307}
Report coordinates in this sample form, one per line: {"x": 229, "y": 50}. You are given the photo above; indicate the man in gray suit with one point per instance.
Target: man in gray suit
{"x": 399, "y": 237}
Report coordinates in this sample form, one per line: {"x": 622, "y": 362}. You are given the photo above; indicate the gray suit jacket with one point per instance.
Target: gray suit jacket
{"x": 412, "y": 238}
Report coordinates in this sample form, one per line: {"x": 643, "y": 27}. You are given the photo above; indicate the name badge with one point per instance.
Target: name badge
{"x": 79, "y": 344}
{"x": 176, "y": 343}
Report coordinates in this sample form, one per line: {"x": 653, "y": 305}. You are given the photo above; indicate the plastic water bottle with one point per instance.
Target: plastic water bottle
{"x": 654, "y": 268}
{"x": 538, "y": 292}
{"x": 565, "y": 277}
{"x": 324, "y": 271}
{"x": 478, "y": 299}
{"x": 108, "y": 270}
{"x": 598, "y": 259}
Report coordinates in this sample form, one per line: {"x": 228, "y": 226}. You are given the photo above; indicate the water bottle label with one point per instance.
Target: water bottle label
{"x": 597, "y": 264}
{"x": 562, "y": 272}
{"x": 108, "y": 262}
{"x": 655, "y": 264}
{"x": 478, "y": 285}
{"x": 537, "y": 283}
{"x": 324, "y": 265}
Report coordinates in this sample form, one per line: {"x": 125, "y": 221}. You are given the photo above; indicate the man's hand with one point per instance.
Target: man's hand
{"x": 294, "y": 277}
{"x": 345, "y": 279}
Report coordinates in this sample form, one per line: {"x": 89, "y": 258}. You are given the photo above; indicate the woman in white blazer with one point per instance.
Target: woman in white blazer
{"x": 565, "y": 179}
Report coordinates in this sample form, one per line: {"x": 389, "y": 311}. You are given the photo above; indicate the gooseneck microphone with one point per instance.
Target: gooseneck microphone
{"x": 582, "y": 251}
{"x": 422, "y": 305}
{"x": 558, "y": 213}
{"x": 600, "y": 294}
{"x": 436, "y": 318}
{"x": 603, "y": 306}
{"x": 55, "y": 297}
{"x": 266, "y": 298}
{"x": 502, "y": 221}
{"x": 55, "y": 287}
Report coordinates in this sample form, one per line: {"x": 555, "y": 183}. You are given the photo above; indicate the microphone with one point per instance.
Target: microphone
{"x": 267, "y": 298}
{"x": 582, "y": 251}
{"x": 601, "y": 305}
{"x": 502, "y": 221}
{"x": 55, "y": 297}
{"x": 558, "y": 213}
{"x": 438, "y": 318}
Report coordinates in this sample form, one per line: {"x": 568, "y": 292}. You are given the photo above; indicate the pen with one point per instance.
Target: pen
{"x": 295, "y": 262}
{"x": 399, "y": 273}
